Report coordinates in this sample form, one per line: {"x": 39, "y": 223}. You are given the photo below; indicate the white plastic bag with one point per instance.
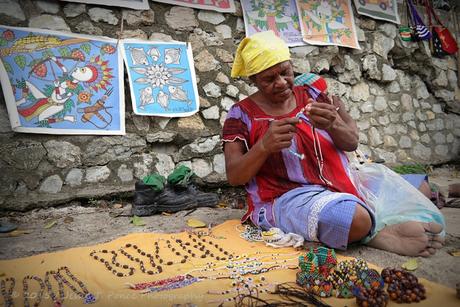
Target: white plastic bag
{"x": 393, "y": 198}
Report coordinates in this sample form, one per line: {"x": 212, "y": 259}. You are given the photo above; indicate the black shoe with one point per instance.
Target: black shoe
{"x": 144, "y": 194}
{"x": 149, "y": 202}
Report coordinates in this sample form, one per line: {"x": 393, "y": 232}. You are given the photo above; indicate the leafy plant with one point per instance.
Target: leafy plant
{"x": 416, "y": 168}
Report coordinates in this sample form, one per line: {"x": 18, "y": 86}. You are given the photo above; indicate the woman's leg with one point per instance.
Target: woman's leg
{"x": 335, "y": 219}
{"x": 361, "y": 224}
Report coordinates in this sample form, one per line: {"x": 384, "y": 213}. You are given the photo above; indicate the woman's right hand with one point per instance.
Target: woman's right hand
{"x": 279, "y": 135}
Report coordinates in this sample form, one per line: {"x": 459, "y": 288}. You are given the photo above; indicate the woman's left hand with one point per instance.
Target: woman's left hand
{"x": 322, "y": 115}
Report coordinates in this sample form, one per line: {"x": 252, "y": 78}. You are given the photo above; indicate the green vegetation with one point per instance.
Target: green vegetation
{"x": 415, "y": 168}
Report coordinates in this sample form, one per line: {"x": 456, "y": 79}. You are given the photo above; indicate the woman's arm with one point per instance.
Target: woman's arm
{"x": 242, "y": 165}
{"x": 336, "y": 121}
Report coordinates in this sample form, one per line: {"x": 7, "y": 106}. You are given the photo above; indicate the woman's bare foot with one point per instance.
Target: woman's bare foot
{"x": 410, "y": 239}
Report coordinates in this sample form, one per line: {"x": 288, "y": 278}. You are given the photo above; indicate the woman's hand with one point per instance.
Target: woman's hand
{"x": 333, "y": 118}
{"x": 279, "y": 135}
{"x": 322, "y": 115}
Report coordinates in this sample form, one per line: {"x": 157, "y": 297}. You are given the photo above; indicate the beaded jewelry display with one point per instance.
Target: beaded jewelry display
{"x": 197, "y": 246}
{"x": 7, "y": 293}
{"x": 243, "y": 265}
{"x": 87, "y": 297}
{"x": 25, "y": 289}
{"x": 403, "y": 287}
{"x": 315, "y": 268}
{"x": 57, "y": 301}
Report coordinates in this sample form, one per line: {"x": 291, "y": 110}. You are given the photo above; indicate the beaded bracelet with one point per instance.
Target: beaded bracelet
{"x": 317, "y": 285}
{"x": 370, "y": 297}
{"x": 403, "y": 287}
{"x": 315, "y": 267}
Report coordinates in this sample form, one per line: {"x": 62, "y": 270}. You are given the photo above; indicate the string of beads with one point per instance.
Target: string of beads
{"x": 7, "y": 293}
{"x": 27, "y": 295}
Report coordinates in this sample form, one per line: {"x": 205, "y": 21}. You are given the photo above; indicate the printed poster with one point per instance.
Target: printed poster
{"x": 60, "y": 83}
{"x": 224, "y": 6}
{"x": 327, "y": 22}
{"x": 133, "y": 4}
{"x": 280, "y": 16}
{"x": 161, "y": 78}
{"x": 379, "y": 9}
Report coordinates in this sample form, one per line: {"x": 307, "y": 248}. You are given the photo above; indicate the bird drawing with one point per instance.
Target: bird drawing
{"x": 177, "y": 93}
{"x": 163, "y": 100}
{"x": 154, "y": 53}
{"x": 172, "y": 55}
{"x": 139, "y": 56}
{"x": 146, "y": 97}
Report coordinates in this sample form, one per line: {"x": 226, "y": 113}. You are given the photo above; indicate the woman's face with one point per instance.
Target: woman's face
{"x": 276, "y": 82}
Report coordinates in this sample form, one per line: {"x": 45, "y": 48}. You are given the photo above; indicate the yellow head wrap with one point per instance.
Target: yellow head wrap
{"x": 259, "y": 52}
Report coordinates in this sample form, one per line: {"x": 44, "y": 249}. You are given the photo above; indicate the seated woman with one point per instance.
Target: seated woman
{"x": 288, "y": 151}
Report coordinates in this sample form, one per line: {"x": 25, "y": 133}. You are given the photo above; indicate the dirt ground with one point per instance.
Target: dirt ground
{"x": 97, "y": 221}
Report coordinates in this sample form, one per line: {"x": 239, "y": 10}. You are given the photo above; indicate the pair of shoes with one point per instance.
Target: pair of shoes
{"x": 171, "y": 199}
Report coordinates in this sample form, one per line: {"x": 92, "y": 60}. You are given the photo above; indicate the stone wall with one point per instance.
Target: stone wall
{"x": 405, "y": 102}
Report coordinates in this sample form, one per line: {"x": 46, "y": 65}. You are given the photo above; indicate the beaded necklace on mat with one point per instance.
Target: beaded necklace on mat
{"x": 57, "y": 301}
{"x": 188, "y": 280}
{"x": 196, "y": 247}
{"x": 7, "y": 294}
{"x": 25, "y": 289}
{"x": 156, "y": 283}
{"x": 113, "y": 266}
{"x": 251, "y": 233}
{"x": 234, "y": 268}
{"x": 87, "y": 297}
{"x": 158, "y": 269}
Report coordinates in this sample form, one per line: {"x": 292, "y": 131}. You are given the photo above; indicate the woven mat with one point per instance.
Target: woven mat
{"x": 111, "y": 290}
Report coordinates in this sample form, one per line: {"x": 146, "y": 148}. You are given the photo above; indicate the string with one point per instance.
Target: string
{"x": 120, "y": 34}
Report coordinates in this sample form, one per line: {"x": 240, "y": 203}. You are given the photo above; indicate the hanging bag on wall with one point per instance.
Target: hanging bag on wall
{"x": 421, "y": 31}
{"x": 405, "y": 31}
{"x": 443, "y": 41}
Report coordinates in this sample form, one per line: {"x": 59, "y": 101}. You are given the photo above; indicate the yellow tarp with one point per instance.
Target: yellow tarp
{"x": 112, "y": 291}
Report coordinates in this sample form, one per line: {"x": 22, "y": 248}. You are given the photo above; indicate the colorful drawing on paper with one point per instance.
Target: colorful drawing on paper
{"x": 161, "y": 78}
{"x": 224, "y": 6}
{"x": 280, "y": 16}
{"x": 379, "y": 9}
{"x": 327, "y": 22}
{"x": 133, "y": 4}
{"x": 61, "y": 83}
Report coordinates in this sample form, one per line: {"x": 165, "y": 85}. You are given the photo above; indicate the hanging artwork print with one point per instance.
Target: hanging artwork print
{"x": 161, "y": 78}
{"x": 327, "y": 22}
{"x": 224, "y": 6}
{"x": 133, "y": 4}
{"x": 280, "y": 16}
{"x": 379, "y": 9}
{"x": 61, "y": 83}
